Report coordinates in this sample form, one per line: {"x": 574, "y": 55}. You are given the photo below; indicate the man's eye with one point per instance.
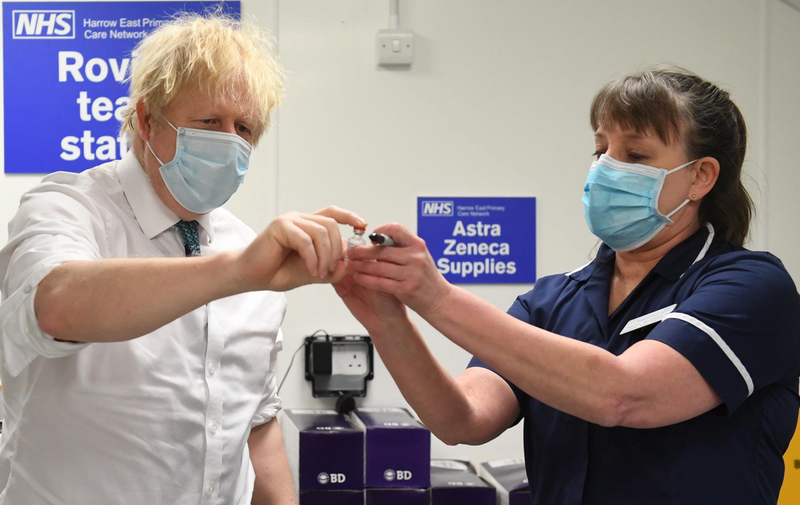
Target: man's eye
{"x": 242, "y": 129}
{"x": 207, "y": 121}
{"x": 597, "y": 154}
{"x": 637, "y": 156}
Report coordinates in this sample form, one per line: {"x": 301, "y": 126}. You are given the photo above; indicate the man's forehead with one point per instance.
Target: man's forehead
{"x": 202, "y": 105}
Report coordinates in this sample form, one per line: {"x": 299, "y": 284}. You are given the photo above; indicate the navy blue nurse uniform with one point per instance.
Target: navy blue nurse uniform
{"x": 735, "y": 315}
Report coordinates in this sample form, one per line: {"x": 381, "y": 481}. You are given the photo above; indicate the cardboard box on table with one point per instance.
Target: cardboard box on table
{"x": 456, "y": 483}
{"x": 509, "y": 478}
{"x": 398, "y": 496}
{"x": 397, "y": 448}
{"x": 325, "y": 452}
{"x": 332, "y": 498}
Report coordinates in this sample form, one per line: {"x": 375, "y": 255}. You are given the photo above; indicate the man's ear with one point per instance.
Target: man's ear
{"x": 144, "y": 120}
{"x": 706, "y": 173}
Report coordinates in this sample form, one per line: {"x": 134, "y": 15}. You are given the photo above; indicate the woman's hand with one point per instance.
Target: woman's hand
{"x": 296, "y": 249}
{"x": 380, "y": 313}
{"x": 406, "y": 270}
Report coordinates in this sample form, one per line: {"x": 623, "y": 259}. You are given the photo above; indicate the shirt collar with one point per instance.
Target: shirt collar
{"x": 153, "y": 216}
{"x": 672, "y": 266}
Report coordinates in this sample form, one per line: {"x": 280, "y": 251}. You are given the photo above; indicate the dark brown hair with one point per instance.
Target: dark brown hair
{"x": 676, "y": 104}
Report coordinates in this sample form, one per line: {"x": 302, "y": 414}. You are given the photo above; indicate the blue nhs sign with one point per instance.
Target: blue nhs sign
{"x": 437, "y": 208}
{"x": 43, "y": 24}
{"x": 480, "y": 240}
{"x": 65, "y": 66}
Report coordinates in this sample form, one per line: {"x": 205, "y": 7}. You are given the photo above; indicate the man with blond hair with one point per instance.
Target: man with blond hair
{"x": 140, "y": 321}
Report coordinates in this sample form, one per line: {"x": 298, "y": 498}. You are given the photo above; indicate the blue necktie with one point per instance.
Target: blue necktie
{"x": 191, "y": 237}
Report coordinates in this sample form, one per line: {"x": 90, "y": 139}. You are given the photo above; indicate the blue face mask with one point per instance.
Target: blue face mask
{"x": 621, "y": 202}
{"x": 207, "y": 169}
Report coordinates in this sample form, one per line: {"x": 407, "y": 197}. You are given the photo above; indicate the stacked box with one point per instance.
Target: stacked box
{"x": 456, "y": 483}
{"x": 325, "y": 452}
{"x": 397, "y": 448}
{"x": 332, "y": 498}
{"x": 398, "y": 496}
{"x": 510, "y": 479}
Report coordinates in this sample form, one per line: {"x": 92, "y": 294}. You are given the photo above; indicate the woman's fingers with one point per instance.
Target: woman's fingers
{"x": 380, "y": 284}
{"x": 397, "y": 255}
{"x": 401, "y": 235}
{"x": 378, "y": 269}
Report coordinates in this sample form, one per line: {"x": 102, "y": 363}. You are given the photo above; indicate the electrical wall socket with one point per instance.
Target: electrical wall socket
{"x": 350, "y": 359}
{"x": 338, "y": 365}
{"x": 395, "y": 47}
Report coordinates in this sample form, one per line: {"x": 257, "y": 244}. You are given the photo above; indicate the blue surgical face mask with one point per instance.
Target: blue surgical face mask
{"x": 621, "y": 202}
{"x": 207, "y": 169}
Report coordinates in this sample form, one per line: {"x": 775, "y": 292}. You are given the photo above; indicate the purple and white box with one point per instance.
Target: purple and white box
{"x": 332, "y": 498}
{"x": 510, "y": 479}
{"x": 456, "y": 483}
{"x": 398, "y": 496}
{"x": 397, "y": 448}
{"x": 325, "y": 452}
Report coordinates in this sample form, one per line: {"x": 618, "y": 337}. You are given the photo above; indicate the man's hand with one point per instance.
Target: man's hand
{"x": 297, "y": 249}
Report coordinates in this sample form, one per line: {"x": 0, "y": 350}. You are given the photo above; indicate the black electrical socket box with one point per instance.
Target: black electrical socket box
{"x": 355, "y": 364}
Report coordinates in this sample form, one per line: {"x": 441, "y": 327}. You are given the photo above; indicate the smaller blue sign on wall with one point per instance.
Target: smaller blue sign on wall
{"x": 480, "y": 240}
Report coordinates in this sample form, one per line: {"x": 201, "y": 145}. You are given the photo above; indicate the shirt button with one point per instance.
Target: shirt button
{"x": 210, "y": 490}
{"x": 212, "y": 369}
{"x": 28, "y": 289}
{"x": 213, "y": 429}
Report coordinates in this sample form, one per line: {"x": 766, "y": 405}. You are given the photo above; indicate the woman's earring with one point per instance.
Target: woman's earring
{"x": 694, "y": 196}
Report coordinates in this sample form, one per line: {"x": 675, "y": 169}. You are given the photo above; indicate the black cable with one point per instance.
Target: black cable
{"x": 291, "y": 362}
{"x": 345, "y": 403}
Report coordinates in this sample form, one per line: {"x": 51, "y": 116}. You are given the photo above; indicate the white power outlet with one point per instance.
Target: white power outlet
{"x": 350, "y": 358}
{"x": 395, "y": 47}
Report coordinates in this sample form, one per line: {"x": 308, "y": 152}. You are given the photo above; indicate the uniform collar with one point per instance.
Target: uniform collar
{"x": 671, "y": 267}
{"x": 681, "y": 257}
{"x": 153, "y": 216}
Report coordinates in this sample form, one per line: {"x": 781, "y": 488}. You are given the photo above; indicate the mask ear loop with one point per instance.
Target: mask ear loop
{"x": 668, "y": 216}
{"x": 681, "y": 167}
{"x": 154, "y": 153}
{"x": 685, "y": 202}
{"x": 151, "y": 147}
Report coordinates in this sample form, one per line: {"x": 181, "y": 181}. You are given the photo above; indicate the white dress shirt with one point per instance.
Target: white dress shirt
{"x": 161, "y": 419}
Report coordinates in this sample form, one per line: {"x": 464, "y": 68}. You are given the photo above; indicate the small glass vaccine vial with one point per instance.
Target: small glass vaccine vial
{"x": 357, "y": 239}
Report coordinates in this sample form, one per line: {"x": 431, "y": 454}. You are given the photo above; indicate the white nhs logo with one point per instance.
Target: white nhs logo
{"x": 43, "y": 24}
{"x": 437, "y": 208}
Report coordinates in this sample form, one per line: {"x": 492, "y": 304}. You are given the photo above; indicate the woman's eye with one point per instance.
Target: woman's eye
{"x": 597, "y": 154}
{"x": 636, "y": 157}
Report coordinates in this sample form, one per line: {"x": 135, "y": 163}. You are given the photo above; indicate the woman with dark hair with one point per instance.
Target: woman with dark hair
{"x": 663, "y": 372}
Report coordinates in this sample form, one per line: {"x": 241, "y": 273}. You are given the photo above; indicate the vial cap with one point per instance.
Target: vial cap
{"x": 359, "y": 228}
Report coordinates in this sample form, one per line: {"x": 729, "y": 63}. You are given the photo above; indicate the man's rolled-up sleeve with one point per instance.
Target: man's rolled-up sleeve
{"x": 740, "y": 327}
{"x": 50, "y": 228}
{"x": 270, "y": 403}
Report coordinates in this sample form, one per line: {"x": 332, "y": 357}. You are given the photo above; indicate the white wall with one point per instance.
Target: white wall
{"x": 496, "y": 104}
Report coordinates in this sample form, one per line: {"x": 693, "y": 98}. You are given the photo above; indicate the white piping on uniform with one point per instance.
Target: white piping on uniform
{"x": 710, "y": 239}
{"x": 704, "y": 250}
{"x": 700, "y": 256}
{"x": 721, "y": 343}
{"x": 578, "y": 269}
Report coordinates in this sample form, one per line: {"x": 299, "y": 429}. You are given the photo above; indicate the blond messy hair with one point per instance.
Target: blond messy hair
{"x": 223, "y": 57}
